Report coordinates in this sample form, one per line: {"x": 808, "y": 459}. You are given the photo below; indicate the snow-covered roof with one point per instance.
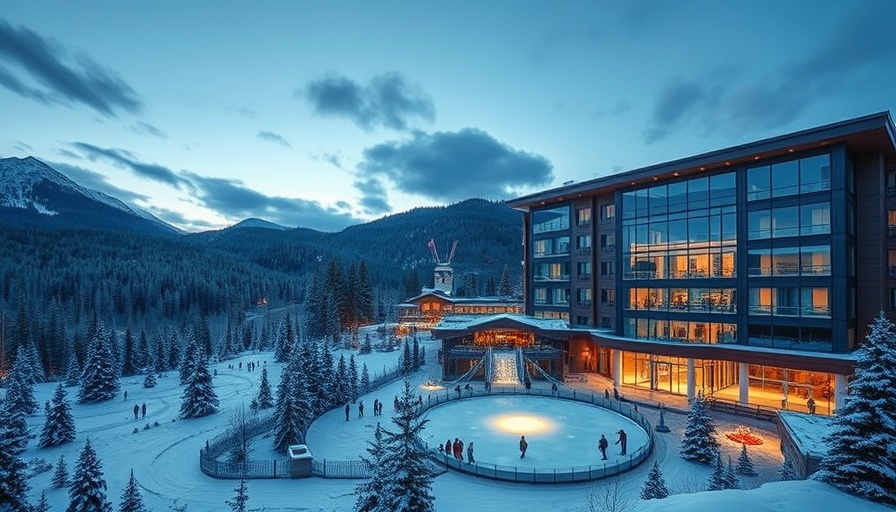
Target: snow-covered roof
{"x": 460, "y": 322}
{"x": 808, "y": 431}
{"x": 461, "y": 300}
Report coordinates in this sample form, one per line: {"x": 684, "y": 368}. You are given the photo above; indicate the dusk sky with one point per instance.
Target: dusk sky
{"x": 327, "y": 114}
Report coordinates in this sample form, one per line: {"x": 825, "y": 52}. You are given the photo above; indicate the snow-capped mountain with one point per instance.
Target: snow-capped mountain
{"x": 258, "y": 223}
{"x": 33, "y": 193}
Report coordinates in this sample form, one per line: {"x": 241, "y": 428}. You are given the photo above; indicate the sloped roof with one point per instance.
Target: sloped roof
{"x": 453, "y": 325}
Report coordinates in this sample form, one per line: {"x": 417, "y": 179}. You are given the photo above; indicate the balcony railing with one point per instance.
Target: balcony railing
{"x": 583, "y": 277}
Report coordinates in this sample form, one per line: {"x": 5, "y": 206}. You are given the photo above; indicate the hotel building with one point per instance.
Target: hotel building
{"x": 750, "y": 272}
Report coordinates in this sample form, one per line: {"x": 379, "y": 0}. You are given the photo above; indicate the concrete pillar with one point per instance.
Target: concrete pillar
{"x": 839, "y": 391}
{"x": 692, "y": 384}
{"x": 617, "y": 367}
{"x": 743, "y": 380}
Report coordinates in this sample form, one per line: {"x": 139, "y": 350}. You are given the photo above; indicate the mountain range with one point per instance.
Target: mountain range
{"x": 34, "y": 196}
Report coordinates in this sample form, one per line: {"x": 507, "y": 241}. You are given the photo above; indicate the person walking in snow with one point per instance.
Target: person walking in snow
{"x": 125, "y": 395}
{"x": 460, "y": 450}
{"x": 523, "y": 447}
{"x": 606, "y": 394}
{"x": 602, "y": 445}
{"x": 615, "y": 394}
{"x": 361, "y": 409}
{"x": 455, "y": 448}
{"x": 810, "y": 404}
{"x": 470, "y": 458}
{"x": 347, "y": 409}
{"x": 376, "y": 406}
{"x": 136, "y": 411}
{"x": 143, "y": 408}
{"x": 623, "y": 438}
{"x": 448, "y": 447}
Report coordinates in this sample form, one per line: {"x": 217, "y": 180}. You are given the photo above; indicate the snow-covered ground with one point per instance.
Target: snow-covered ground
{"x": 163, "y": 452}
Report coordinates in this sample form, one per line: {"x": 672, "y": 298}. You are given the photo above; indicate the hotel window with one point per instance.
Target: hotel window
{"x": 583, "y": 217}
{"x": 608, "y": 297}
{"x": 815, "y": 174}
{"x": 815, "y": 260}
{"x": 583, "y": 296}
{"x": 607, "y": 242}
{"x": 785, "y": 221}
{"x": 815, "y": 219}
{"x": 555, "y": 219}
{"x": 758, "y": 183}
{"x": 892, "y": 299}
{"x": 541, "y": 296}
{"x": 891, "y": 222}
{"x": 582, "y": 320}
{"x": 543, "y": 248}
{"x": 560, "y": 296}
{"x": 608, "y": 211}
{"x": 785, "y": 178}
{"x": 606, "y": 269}
{"x": 583, "y": 268}
{"x": 583, "y": 243}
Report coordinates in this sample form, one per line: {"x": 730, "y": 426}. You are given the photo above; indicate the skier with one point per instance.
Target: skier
{"x": 470, "y": 458}
{"x": 623, "y": 438}
{"x": 523, "y": 446}
{"x": 602, "y": 445}
{"x": 136, "y": 411}
{"x": 144, "y": 409}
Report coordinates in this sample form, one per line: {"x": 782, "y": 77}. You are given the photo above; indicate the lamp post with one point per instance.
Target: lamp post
{"x": 661, "y": 426}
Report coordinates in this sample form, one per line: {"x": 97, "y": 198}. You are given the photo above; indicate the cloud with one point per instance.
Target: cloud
{"x": 66, "y": 80}
{"x": 333, "y": 159}
{"x": 619, "y": 108}
{"x": 388, "y": 101}
{"x": 147, "y": 129}
{"x": 452, "y": 166}
{"x": 234, "y": 201}
{"x": 24, "y": 147}
{"x": 853, "y": 53}
{"x": 180, "y": 220}
{"x": 125, "y": 159}
{"x": 275, "y": 138}
{"x": 373, "y": 196}
{"x": 96, "y": 181}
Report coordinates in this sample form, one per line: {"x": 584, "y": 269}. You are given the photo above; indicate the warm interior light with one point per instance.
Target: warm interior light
{"x": 522, "y": 424}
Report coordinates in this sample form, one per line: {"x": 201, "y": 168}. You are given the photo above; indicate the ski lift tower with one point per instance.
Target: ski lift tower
{"x": 444, "y": 274}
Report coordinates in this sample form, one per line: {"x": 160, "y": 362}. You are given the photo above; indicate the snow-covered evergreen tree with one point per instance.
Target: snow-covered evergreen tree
{"x": 131, "y": 498}
{"x": 364, "y": 385}
{"x": 655, "y": 486}
{"x": 150, "y": 380}
{"x": 699, "y": 443}
{"x": 744, "y": 464}
{"x": 191, "y": 358}
{"x": 144, "y": 358}
{"x": 264, "y": 399}
{"x": 407, "y": 360}
{"x": 366, "y": 346}
{"x": 129, "y": 365}
{"x": 20, "y": 384}
{"x": 787, "y": 472}
{"x": 60, "y": 474}
{"x": 87, "y": 491}
{"x": 404, "y": 476}
{"x": 13, "y": 470}
{"x": 294, "y": 408}
{"x": 43, "y": 504}
{"x": 199, "y": 398}
{"x": 286, "y": 340}
{"x": 717, "y": 480}
{"x": 240, "y": 497}
{"x": 368, "y": 493}
{"x": 327, "y": 375}
{"x": 418, "y": 361}
{"x": 352, "y": 378}
{"x": 99, "y": 379}
{"x": 861, "y": 458}
{"x": 341, "y": 388}
{"x": 59, "y": 428}
{"x": 72, "y": 371}
{"x": 731, "y": 481}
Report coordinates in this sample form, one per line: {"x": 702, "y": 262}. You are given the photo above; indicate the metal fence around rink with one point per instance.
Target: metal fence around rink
{"x": 544, "y": 475}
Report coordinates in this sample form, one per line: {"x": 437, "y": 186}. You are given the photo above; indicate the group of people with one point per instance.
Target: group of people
{"x": 138, "y": 409}
{"x": 603, "y": 443}
{"x": 615, "y": 394}
{"x": 250, "y": 366}
{"x": 456, "y": 449}
{"x": 377, "y": 409}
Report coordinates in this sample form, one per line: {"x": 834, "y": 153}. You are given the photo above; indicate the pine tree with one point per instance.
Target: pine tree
{"x": 744, "y": 464}
{"x": 129, "y": 365}
{"x": 13, "y": 470}
{"x": 264, "y": 399}
{"x": 59, "y": 427}
{"x": 407, "y": 361}
{"x": 241, "y": 496}
{"x": 294, "y": 412}
{"x": 404, "y": 476}
{"x": 699, "y": 443}
{"x": 861, "y": 459}
{"x": 191, "y": 357}
{"x": 199, "y": 398}
{"x": 787, "y": 473}
{"x": 655, "y": 487}
{"x": 731, "y": 481}
{"x": 365, "y": 379}
{"x": 286, "y": 340}
{"x": 43, "y": 504}
{"x": 369, "y": 491}
{"x": 366, "y": 347}
{"x": 20, "y": 384}
{"x": 72, "y": 371}
{"x": 364, "y": 295}
{"x": 717, "y": 480}
{"x": 416, "y": 353}
{"x": 131, "y": 499}
{"x": 341, "y": 393}
{"x": 505, "y": 289}
{"x": 99, "y": 380}
{"x": 88, "y": 488}
{"x": 60, "y": 475}
{"x": 353, "y": 378}
{"x": 150, "y": 380}
{"x": 144, "y": 358}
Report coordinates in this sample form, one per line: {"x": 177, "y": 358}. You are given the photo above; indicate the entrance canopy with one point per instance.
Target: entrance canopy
{"x": 503, "y": 329}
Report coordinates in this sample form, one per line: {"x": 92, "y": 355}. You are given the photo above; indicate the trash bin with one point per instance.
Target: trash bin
{"x": 300, "y": 459}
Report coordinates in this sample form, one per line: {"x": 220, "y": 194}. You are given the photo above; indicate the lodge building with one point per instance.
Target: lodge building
{"x": 752, "y": 270}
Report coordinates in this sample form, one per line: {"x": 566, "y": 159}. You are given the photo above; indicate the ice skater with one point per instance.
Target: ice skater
{"x": 623, "y": 438}
{"x": 470, "y": 458}
{"x": 602, "y": 445}
{"x": 523, "y": 447}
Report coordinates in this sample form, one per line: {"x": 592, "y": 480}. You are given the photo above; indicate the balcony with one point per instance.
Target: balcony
{"x": 891, "y": 231}
{"x": 584, "y": 223}
{"x": 607, "y": 248}
{"x": 584, "y": 302}
{"x": 584, "y": 277}
{"x": 583, "y": 250}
